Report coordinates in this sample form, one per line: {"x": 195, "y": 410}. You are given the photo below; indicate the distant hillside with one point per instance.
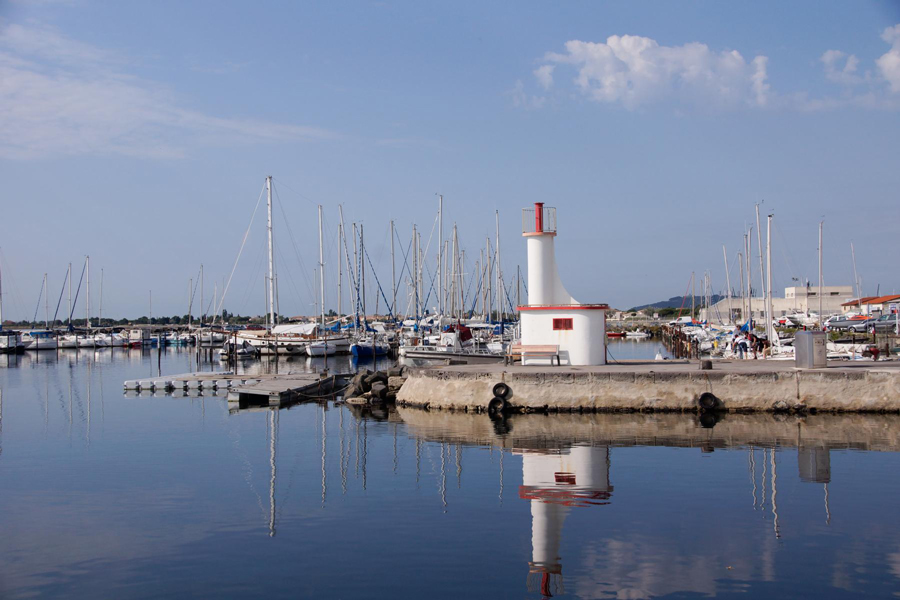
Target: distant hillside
{"x": 676, "y": 302}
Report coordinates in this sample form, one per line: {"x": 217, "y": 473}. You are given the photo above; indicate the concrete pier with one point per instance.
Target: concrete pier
{"x": 740, "y": 386}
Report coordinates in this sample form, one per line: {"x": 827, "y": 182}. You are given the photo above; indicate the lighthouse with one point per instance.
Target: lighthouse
{"x": 552, "y": 316}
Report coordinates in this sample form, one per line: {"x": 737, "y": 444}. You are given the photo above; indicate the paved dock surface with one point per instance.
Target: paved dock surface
{"x": 681, "y": 366}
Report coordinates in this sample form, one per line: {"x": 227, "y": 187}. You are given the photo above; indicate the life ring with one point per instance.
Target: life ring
{"x": 501, "y": 390}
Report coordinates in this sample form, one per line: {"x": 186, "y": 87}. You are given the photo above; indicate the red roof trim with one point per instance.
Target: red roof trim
{"x": 873, "y": 300}
{"x": 564, "y": 307}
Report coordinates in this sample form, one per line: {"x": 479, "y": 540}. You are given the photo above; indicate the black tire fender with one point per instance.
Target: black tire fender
{"x": 707, "y": 401}
{"x": 501, "y": 390}
{"x": 497, "y": 406}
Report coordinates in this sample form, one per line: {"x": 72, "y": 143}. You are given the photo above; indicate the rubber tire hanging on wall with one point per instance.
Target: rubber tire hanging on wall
{"x": 501, "y": 390}
{"x": 497, "y": 406}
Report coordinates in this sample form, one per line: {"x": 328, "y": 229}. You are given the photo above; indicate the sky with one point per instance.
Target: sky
{"x": 141, "y": 134}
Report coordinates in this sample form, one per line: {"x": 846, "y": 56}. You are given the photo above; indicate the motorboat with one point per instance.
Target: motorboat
{"x": 242, "y": 350}
{"x": 11, "y": 341}
{"x": 68, "y": 341}
{"x": 40, "y": 339}
{"x": 138, "y": 337}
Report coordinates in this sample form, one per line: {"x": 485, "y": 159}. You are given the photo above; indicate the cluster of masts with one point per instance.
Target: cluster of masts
{"x": 44, "y": 295}
{"x": 446, "y": 286}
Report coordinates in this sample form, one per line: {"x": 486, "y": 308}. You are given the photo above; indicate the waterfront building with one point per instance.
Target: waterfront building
{"x": 872, "y": 305}
{"x": 796, "y": 300}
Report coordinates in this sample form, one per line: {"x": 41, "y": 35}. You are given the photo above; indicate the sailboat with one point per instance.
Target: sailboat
{"x": 325, "y": 346}
{"x": 10, "y": 341}
{"x": 369, "y": 347}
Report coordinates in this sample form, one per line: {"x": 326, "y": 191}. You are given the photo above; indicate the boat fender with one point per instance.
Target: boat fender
{"x": 707, "y": 401}
{"x": 501, "y": 390}
{"x": 496, "y": 406}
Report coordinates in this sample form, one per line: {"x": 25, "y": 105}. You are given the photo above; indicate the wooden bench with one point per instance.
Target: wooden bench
{"x": 523, "y": 350}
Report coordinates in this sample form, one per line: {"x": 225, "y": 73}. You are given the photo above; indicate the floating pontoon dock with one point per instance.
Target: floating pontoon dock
{"x": 268, "y": 390}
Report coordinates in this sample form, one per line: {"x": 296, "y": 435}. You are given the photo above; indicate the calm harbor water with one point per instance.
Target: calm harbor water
{"x": 113, "y": 497}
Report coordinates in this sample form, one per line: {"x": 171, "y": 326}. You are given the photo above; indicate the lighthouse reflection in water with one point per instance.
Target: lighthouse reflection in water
{"x": 555, "y": 482}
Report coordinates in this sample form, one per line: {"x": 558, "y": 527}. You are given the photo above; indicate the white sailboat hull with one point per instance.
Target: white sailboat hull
{"x": 321, "y": 348}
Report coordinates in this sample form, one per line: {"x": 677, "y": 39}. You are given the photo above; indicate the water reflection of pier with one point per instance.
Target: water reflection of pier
{"x": 566, "y": 462}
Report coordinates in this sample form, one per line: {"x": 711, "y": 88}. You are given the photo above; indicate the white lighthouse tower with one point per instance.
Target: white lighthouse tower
{"x": 552, "y": 316}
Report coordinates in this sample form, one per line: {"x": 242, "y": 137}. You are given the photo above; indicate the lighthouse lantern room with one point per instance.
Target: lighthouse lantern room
{"x": 552, "y": 316}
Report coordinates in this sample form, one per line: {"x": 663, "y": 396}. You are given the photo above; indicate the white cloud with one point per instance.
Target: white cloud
{"x": 522, "y": 99}
{"x": 889, "y": 63}
{"x": 544, "y": 75}
{"x": 635, "y": 71}
{"x": 63, "y": 97}
{"x": 846, "y": 75}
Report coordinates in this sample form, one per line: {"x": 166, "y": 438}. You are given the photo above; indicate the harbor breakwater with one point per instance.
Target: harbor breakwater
{"x": 677, "y": 386}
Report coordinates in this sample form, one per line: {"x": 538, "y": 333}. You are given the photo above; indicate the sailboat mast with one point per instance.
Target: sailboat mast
{"x": 393, "y": 275}
{"x": 518, "y": 286}
{"x": 462, "y": 283}
{"x": 743, "y": 299}
{"x": 271, "y": 282}
{"x": 415, "y": 272}
{"x": 46, "y": 304}
{"x": 489, "y": 276}
{"x": 190, "y": 301}
{"x": 69, "y": 277}
{"x": 728, "y": 283}
{"x": 499, "y": 270}
{"x": 340, "y": 262}
{"x": 821, "y": 276}
{"x": 762, "y": 272}
{"x": 748, "y": 240}
{"x": 481, "y": 269}
{"x": 856, "y": 277}
{"x": 362, "y": 268}
{"x": 770, "y": 327}
{"x": 356, "y": 277}
{"x": 87, "y": 307}
{"x": 454, "y": 275}
{"x": 693, "y": 294}
{"x": 440, "y": 271}
{"x": 100, "y": 315}
{"x": 202, "y": 305}
{"x": 321, "y": 273}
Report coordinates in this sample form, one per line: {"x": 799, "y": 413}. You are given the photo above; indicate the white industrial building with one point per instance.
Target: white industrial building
{"x": 552, "y": 316}
{"x": 795, "y": 300}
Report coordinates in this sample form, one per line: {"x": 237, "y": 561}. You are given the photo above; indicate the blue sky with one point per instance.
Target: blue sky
{"x": 141, "y": 134}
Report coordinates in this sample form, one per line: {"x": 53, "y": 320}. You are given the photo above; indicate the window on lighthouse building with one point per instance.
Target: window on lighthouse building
{"x": 562, "y": 324}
